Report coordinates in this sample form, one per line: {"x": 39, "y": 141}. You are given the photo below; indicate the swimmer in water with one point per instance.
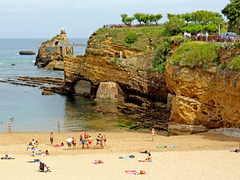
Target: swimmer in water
{"x": 12, "y": 119}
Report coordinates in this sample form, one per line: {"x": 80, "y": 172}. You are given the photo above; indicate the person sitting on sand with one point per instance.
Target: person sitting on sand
{"x": 145, "y": 152}
{"x": 31, "y": 143}
{"x": 149, "y": 159}
{"x": 34, "y": 146}
{"x": 62, "y": 145}
{"x": 153, "y": 133}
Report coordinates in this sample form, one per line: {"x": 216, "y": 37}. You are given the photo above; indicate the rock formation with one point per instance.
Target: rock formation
{"x": 26, "y": 52}
{"x": 51, "y": 54}
{"x": 104, "y": 63}
{"x": 206, "y": 97}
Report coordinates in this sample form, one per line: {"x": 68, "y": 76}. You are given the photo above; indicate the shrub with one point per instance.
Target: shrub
{"x": 161, "y": 56}
{"x": 114, "y": 60}
{"x": 223, "y": 66}
{"x": 193, "y": 54}
{"x": 234, "y": 64}
{"x": 131, "y": 37}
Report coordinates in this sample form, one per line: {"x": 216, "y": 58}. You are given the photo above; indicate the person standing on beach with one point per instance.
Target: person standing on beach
{"x": 153, "y": 133}
{"x": 9, "y": 128}
{"x": 51, "y": 138}
{"x": 58, "y": 126}
{"x": 69, "y": 141}
{"x": 74, "y": 143}
{"x": 105, "y": 140}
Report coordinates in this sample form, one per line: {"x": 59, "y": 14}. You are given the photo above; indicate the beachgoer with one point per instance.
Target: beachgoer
{"x": 9, "y": 128}
{"x": 149, "y": 157}
{"x": 62, "y": 144}
{"x": 206, "y": 35}
{"x": 51, "y": 138}
{"x": 105, "y": 140}
{"x": 87, "y": 141}
{"x": 90, "y": 142}
{"x": 12, "y": 119}
{"x": 82, "y": 139}
{"x": 74, "y": 143}
{"x": 145, "y": 152}
{"x": 153, "y": 133}
{"x": 101, "y": 142}
{"x": 98, "y": 142}
{"x": 34, "y": 146}
{"x": 185, "y": 34}
{"x": 33, "y": 154}
{"x": 69, "y": 141}
{"x": 47, "y": 153}
{"x": 58, "y": 126}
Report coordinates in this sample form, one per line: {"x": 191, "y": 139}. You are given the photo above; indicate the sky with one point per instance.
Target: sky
{"x": 45, "y": 18}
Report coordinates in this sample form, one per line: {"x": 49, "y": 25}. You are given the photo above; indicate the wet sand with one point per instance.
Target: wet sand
{"x": 199, "y": 156}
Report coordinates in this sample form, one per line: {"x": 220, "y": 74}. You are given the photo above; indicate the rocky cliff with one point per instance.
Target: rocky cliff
{"x": 209, "y": 97}
{"x": 51, "y": 54}
{"x": 107, "y": 61}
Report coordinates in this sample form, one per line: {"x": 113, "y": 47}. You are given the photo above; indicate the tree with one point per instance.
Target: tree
{"x": 128, "y": 20}
{"x": 124, "y": 16}
{"x": 232, "y": 11}
{"x": 138, "y": 17}
{"x": 174, "y": 25}
{"x": 187, "y": 17}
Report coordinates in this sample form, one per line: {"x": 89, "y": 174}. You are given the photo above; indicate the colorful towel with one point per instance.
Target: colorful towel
{"x": 166, "y": 146}
{"x": 124, "y": 157}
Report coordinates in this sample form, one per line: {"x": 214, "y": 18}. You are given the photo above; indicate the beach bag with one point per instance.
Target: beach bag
{"x": 142, "y": 172}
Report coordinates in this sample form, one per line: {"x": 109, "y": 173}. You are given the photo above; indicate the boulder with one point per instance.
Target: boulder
{"x": 27, "y": 53}
{"x": 55, "y": 65}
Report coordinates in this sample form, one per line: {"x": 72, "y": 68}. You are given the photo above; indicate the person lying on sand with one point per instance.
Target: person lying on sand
{"x": 144, "y": 152}
{"x": 98, "y": 162}
{"x": 8, "y": 157}
{"x": 148, "y": 159}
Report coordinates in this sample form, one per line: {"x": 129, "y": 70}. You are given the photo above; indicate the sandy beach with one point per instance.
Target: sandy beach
{"x": 198, "y": 156}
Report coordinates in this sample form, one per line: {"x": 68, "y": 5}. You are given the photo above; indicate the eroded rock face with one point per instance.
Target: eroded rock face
{"x": 132, "y": 74}
{"x": 51, "y": 53}
{"x": 204, "y": 97}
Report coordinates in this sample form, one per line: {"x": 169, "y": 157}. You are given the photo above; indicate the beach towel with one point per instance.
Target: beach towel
{"x": 136, "y": 172}
{"x": 124, "y": 157}
{"x": 139, "y": 160}
{"x": 32, "y": 149}
{"x": 166, "y": 146}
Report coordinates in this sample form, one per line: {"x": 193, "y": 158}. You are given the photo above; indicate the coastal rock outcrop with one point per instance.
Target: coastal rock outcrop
{"x": 51, "y": 52}
{"x": 129, "y": 68}
{"x": 206, "y": 97}
{"x": 26, "y": 52}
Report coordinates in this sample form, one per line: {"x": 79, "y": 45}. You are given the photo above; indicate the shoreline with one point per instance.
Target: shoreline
{"x": 196, "y": 156}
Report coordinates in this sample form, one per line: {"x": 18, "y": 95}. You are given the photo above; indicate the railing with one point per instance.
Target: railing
{"x": 130, "y": 25}
{"x": 214, "y": 38}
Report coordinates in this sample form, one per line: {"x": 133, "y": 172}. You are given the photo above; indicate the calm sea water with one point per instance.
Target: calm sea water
{"x": 34, "y": 112}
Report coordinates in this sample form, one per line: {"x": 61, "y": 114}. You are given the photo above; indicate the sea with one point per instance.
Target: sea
{"x": 33, "y": 112}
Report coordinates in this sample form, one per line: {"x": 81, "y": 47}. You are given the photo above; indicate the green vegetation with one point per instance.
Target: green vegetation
{"x": 223, "y": 66}
{"x": 128, "y": 126}
{"x": 174, "y": 25}
{"x": 146, "y": 36}
{"x": 114, "y": 60}
{"x": 200, "y": 21}
{"x": 131, "y": 37}
{"x": 193, "y": 54}
{"x": 161, "y": 56}
{"x": 232, "y": 11}
{"x": 234, "y": 64}
{"x": 137, "y": 69}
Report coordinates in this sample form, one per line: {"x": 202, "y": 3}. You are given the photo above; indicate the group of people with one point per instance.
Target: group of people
{"x": 85, "y": 140}
{"x": 198, "y": 36}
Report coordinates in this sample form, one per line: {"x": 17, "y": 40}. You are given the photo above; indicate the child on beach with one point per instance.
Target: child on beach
{"x": 153, "y": 133}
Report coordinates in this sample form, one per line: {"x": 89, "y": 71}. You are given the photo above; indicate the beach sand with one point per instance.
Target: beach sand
{"x": 198, "y": 156}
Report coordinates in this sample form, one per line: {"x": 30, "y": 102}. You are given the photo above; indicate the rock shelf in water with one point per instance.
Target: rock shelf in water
{"x": 26, "y": 52}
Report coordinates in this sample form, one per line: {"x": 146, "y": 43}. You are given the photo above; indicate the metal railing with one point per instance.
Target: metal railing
{"x": 130, "y": 25}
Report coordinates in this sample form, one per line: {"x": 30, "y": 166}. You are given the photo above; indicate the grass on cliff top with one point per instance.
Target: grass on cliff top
{"x": 143, "y": 37}
{"x": 193, "y": 54}
{"x": 234, "y": 64}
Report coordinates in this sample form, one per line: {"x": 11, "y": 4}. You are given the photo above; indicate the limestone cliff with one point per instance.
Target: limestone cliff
{"x": 103, "y": 62}
{"x": 52, "y": 53}
{"x": 206, "y": 97}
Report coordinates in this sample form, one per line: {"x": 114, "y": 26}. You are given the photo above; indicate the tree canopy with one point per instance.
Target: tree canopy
{"x": 232, "y": 11}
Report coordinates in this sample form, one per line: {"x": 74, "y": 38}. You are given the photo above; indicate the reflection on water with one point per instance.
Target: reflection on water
{"x": 80, "y": 115}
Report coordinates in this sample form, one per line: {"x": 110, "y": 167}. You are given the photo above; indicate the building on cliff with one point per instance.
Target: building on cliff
{"x": 51, "y": 53}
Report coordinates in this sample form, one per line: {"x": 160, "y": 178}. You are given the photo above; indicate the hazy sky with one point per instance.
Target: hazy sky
{"x": 45, "y": 18}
